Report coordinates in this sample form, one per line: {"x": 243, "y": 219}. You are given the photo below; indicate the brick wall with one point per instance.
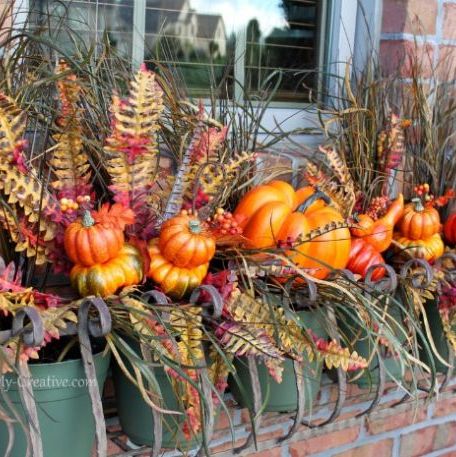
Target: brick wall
{"x": 429, "y": 23}
{"x": 411, "y": 429}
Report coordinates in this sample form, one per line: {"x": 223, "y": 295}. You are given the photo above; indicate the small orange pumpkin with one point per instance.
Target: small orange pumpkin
{"x": 429, "y": 249}
{"x": 126, "y": 269}
{"x": 275, "y": 212}
{"x": 362, "y": 257}
{"x": 379, "y": 233}
{"x": 419, "y": 222}
{"x": 184, "y": 242}
{"x": 449, "y": 229}
{"x": 88, "y": 243}
{"x": 173, "y": 280}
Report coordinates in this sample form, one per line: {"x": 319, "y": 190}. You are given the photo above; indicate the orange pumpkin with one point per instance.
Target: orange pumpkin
{"x": 379, "y": 233}
{"x": 184, "y": 242}
{"x": 173, "y": 280}
{"x": 362, "y": 257}
{"x": 449, "y": 229}
{"x": 429, "y": 249}
{"x": 419, "y": 222}
{"x": 274, "y": 212}
{"x": 126, "y": 269}
{"x": 88, "y": 243}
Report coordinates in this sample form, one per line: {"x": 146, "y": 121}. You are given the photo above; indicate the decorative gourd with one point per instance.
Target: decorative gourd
{"x": 274, "y": 213}
{"x": 449, "y": 229}
{"x": 419, "y": 222}
{"x": 174, "y": 281}
{"x": 429, "y": 249}
{"x": 362, "y": 257}
{"x": 104, "y": 279}
{"x": 185, "y": 243}
{"x": 98, "y": 236}
{"x": 379, "y": 233}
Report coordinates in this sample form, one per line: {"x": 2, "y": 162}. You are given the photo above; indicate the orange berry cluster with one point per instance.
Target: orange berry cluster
{"x": 224, "y": 222}
{"x": 68, "y": 205}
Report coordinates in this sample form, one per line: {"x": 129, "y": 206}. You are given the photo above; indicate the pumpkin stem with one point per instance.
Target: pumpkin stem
{"x": 194, "y": 226}
{"x": 317, "y": 195}
{"x": 87, "y": 219}
{"x": 418, "y": 204}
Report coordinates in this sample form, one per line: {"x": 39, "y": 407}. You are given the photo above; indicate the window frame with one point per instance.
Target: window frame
{"x": 347, "y": 36}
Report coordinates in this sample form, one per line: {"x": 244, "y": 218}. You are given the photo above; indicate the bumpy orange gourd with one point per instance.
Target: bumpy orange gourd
{"x": 88, "y": 243}
{"x": 429, "y": 249}
{"x": 272, "y": 213}
{"x": 449, "y": 229}
{"x": 105, "y": 279}
{"x": 173, "y": 280}
{"x": 419, "y": 222}
{"x": 362, "y": 257}
{"x": 379, "y": 233}
{"x": 184, "y": 242}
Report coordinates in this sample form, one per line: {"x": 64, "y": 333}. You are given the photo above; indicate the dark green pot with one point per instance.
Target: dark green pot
{"x": 282, "y": 397}
{"x": 438, "y": 335}
{"x": 136, "y": 418}
{"x": 64, "y": 412}
{"x": 364, "y": 346}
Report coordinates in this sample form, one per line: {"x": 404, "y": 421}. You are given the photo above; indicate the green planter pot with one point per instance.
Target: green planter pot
{"x": 364, "y": 346}
{"x": 136, "y": 418}
{"x": 64, "y": 408}
{"x": 282, "y": 397}
{"x": 438, "y": 335}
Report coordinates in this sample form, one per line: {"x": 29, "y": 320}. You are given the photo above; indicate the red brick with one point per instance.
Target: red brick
{"x": 380, "y": 448}
{"x": 270, "y": 435}
{"x": 399, "y": 57}
{"x": 448, "y": 454}
{"x": 324, "y": 442}
{"x": 447, "y": 62}
{"x": 418, "y": 443}
{"x": 445, "y": 407}
{"x": 417, "y": 16}
{"x": 389, "y": 420}
{"x": 449, "y": 21}
{"x": 276, "y": 452}
{"x": 113, "y": 449}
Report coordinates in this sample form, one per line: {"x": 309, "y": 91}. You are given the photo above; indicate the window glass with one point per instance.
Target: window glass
{"x": 85, "y": 21}
{"x": 215, "y": 46}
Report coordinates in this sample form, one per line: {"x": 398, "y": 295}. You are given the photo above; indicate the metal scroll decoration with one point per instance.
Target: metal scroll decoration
{"x": 158, "y": 298}
{"x": 97, "y": 327}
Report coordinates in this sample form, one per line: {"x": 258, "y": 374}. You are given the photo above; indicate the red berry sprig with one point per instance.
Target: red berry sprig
{"x": 378, "y": 207}
{"x": 422, "y": 190}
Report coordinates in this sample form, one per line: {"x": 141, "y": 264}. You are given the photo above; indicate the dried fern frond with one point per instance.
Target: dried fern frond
{"x": 336, "y": 356}
{"x": 339, "y": 187}
{"x": 131, "y": 148}
{"x": 69, "y": 161}
{"x": 245, "y": 340}
{"x": 12, "y": 129}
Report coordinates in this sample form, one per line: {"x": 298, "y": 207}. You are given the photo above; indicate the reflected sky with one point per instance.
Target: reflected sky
{"x": 237, "y": 13}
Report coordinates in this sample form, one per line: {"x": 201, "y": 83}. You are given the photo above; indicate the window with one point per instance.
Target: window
{"x": 233, "y": 46}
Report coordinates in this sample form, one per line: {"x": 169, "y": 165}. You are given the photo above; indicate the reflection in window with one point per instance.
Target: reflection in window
{"x": 208, "y": 43}
{"x": 72, "y": 22}
{"x": 290, "y": 48}
{"x": 192, "y": 43}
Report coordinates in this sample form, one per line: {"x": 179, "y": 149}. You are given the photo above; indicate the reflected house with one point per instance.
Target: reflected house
{"x": 188, "y": 30}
